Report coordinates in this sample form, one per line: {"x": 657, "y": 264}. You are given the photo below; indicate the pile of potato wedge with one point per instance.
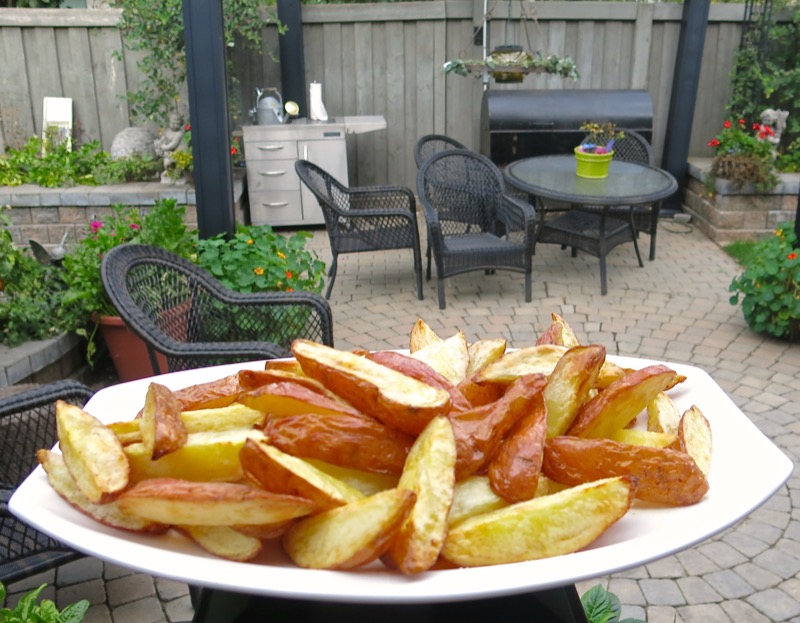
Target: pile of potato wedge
{"x": 456, "y": 454}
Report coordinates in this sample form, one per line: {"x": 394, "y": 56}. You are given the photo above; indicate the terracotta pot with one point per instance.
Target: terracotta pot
{"x": 128, "y": 352}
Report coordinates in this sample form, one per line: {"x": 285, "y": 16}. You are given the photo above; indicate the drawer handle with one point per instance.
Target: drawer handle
{"x": 275, "y": 204}
{"x": 270, "y": 147}
{"x": 271, "y": 173}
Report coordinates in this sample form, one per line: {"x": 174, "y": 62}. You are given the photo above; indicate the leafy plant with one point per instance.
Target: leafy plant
{"x": 28, "y": 611}
{"x": 257, "y": 259}
{"x": 769, "y": 287}
{"x": 133, "y": 168}
{"x": 743, "y": 156}
{"x": 155, "y": 29}
{"x": 58, "y": 166}
{"x": 600, "y": 137}
{"x": 85, "y": 297}
{"x": 602, "y": 606}
{"x": 550, "y": 64}
{"x": 30, "y": 293}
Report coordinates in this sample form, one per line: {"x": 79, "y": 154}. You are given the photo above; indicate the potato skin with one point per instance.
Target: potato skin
{"x": 480, "y": 431}
{"x": 355, "y": 441}
{"x": 515, "y": 468}
{"x": 663, "y": 475}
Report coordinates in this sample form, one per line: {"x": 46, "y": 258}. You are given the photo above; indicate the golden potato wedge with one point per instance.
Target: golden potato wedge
{"x": 473, "y": 496}
{"x": 402, "y": 403}
{"x": 211, "y": 456}
{"x": 662, "y": 475}
{"x": 568, "y": 337}
{"x": 430, "y": 473}
{"x": 421, "y": 336}
{"x": 127, "y": 431}
{"x": 546, "y": 526}
{"x": 663, "y": 415}
{"x": 363, "y": 481}
{"x": 281, "y": 399}
{"x": 280, "y": 472}
{"x": 618, "y": 404}
{"x": 161, "y": 426}
{"x": 637, "y": 437}
{"x": 349, "y": 536}
{"x": 286, "y": 365}
{"x": 184, "y": 502}
{"x": 479, "y": 394}
{"x": 418, "y": 369}
{"x": 516, "y": 363}
{"x": 480, "y": 432}
{"x": 224, "y": 542}
{"x": 253, "y": 379}
{"x": 552, "y": 335}
{"x": 483, "y": 352}
{"x": 355, "y": 441}
{"x": 92, "y": 452}
{"x": 569, "y": 385}
{"x": 211, "y": 395}
{"x": 514, "y": 469}
{"x": 108, "y": 514}
{"x": 609, "y": 373}
{"x": 450, "y": 357}
{"x": 265, "y": 531}
{"x": 694, "y": 435}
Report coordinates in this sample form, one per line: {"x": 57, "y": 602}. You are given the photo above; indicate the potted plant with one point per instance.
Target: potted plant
{"x": 593, "y": 156}
{"x": 512, "y": 63}
{"x": 743, "y": 155}
{"x": 85, "y": 306}
{"x": 28, "y": 610}
{"x": 769, "y": 287}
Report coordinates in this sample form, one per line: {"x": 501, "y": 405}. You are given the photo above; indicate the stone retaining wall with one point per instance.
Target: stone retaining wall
{"x": 45, "y": 214}
{"x": 729, "y": 214}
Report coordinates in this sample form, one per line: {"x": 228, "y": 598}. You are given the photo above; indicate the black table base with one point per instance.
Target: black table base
{"x": 557, "y": 605}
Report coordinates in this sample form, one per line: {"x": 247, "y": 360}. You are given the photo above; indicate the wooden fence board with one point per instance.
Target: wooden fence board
{"x": 78, "y": 80}
{"x": 40, "y": 52}
{"x": 16, "y": 108}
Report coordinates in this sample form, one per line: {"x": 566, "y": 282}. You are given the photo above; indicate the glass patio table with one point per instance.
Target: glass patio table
{"x": 590, "y": 224}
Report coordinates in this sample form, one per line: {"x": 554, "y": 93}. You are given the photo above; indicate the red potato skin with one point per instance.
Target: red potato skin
{"x": 663, "y": 475}
{"x": 480, "y": 431}
{"x": 421, "y": 371}
{"x": 515, "y": 468}
{"x": 355, "y": 441}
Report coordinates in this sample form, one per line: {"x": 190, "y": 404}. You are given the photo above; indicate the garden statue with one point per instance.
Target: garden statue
{"x": 170, "y": 141}
{"x": 133, "y": 141}
{"x": 773, "y": 123}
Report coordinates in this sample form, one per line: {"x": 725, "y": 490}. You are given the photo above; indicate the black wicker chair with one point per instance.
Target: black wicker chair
{"x": 635, "y": 148}
{"x": 184, "y": 313}
{"x": 27, "y": 424}
{"x": 473, "y": 224}
{"x": 432, "y": 144}
{"x": 370, "y": 218}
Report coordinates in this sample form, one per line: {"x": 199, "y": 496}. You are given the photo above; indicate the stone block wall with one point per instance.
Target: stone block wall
{"x": 727, "y": 214}
{"x": 46, "y": 214}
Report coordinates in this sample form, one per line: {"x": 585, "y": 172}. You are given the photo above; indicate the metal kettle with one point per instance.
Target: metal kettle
{"x": 268, "y": 110}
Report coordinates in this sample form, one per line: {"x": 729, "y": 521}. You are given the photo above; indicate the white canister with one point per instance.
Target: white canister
{"x": 316, "y": 109}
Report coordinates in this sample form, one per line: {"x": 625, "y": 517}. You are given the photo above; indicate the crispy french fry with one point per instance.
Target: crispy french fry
{"x": 473, "y": 496}
{"x": 516, "y": 363}
{"x": 450, "y": 357}
{"x": 663, "y": 415}
{"x": 161, "y": 426}
{"x": 421, "y": 336}
{"x": 569, "y": 385}
{"x": 694, "y": 435}
{"x": 483, "y": 352}
{"x": 224, "y": 541}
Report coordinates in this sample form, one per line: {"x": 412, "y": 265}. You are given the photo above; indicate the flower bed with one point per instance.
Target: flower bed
{"x": 729, "y": 214}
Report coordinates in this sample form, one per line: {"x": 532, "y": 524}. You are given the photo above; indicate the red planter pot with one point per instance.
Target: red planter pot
{"x": 128, "y": 352}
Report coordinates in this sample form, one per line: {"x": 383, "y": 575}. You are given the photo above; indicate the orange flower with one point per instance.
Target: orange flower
{"x": 288, "y": 274}
{"x": 258, "y": 270}
{"x": 792, "y": 256}
{"x": 290, "y": 289}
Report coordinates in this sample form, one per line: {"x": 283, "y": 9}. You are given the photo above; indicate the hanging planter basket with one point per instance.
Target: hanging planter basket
{"x": 514, "y": 68}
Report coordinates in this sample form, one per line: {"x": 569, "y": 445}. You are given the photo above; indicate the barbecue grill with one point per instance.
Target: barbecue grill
{"x": 524, "y": 123}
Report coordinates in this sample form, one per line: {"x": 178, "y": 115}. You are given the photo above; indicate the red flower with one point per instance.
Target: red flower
{"x": 792, "y": 256}
{"x": 288, "y": 274}
{"x": 234, "y": 151}
{"x": 713, "y": 142}
{"x": 741, "y": 121}
{"x": 756, "y": 126}
{"x": 187, "y": 127}
{"x": 727, "y": 124}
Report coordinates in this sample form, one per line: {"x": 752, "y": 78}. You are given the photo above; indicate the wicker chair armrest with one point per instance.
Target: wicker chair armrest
{"x": 387, "y": 197}
{"x": 516, "y": 214}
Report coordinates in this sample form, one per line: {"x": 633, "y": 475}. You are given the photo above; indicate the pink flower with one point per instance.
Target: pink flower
{"x": 727, "y": 124}
{"x": 713, "y": 142}
{"x": 96, "y": 226}
{"x": 135, "y": 226}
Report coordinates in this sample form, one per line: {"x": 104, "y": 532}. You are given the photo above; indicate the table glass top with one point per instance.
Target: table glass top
{"x": 553, "y": 177}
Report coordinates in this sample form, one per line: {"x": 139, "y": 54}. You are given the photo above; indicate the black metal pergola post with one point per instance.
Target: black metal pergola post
{"x": 204, "y": 37}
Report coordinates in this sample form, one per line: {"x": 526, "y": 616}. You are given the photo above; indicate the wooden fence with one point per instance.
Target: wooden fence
{"x": 383, "y": 59}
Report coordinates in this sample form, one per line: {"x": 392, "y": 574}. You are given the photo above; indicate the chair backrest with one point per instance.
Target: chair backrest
{"x": 170, "y": 302}
{"x": 27, "y": 424}
{"x": 461, "y": 189}
{"x": 432, "y": 144}
{"x": 633, "y": 148}
{"x": 332, "y": 195}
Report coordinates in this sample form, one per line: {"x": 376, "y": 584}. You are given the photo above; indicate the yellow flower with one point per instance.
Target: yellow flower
{"x": 251, "y": 241}
{"x": 258, "y": 270}
{"x": 281, "y": 255}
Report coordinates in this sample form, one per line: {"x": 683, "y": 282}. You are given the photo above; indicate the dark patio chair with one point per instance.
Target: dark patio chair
{"x": 27, "y": 424}
{"x": 635, "y": 148}
{"x": 432, "y": 144}
{"x": 183, "y": 312}
{"x": 473, "y": 224}
{"x": 358, "y": 220}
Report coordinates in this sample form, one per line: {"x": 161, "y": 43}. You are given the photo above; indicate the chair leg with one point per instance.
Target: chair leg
{"x": 603, "y": 285}
{"x": 440, "y": 288}
{"x": 653, "y": 245}
{"x": 527, "y": 287}
{"x": 428, "y": 269}
{"x": 418, "y": 272}
{"x": 331, "y": 277}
